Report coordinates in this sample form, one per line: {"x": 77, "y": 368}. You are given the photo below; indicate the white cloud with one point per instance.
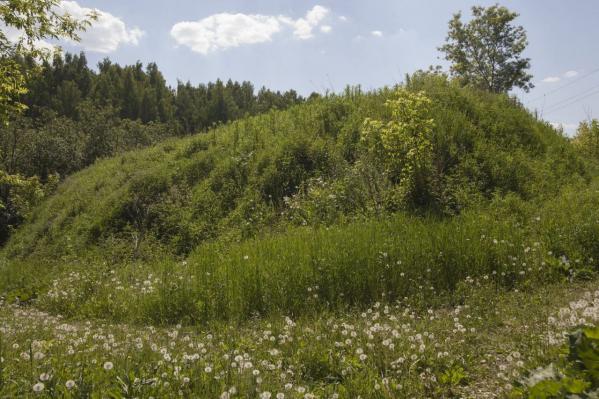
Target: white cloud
{"x": 571, "y": 74}
{"x": 566, "y": 75}
{"x": 303, "y": 26}
{"x": 107, "y": 33}
{"x": 377, "y": 33}
{"x": 551, "y": 79}
{"x": 343, "y": 18}
{"x": 223, "y": 31}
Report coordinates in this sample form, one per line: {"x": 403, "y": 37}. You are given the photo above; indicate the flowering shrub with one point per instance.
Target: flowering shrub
{"x": 402, "y": 146}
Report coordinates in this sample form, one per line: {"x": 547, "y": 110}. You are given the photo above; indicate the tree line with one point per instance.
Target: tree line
{"x": 75, "y": 115}
{"x": 140, "y": 93}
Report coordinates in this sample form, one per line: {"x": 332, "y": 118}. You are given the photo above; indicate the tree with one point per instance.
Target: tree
{"x": 34, "y": 21}
{"x": 587, "y": 138}
{"x": 487, "y": 51}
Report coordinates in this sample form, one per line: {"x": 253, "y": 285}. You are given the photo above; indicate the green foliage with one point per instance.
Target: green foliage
{"x": 453, "y": 377}
{"x": 390, "y": 350}
{"x": 403, "y": 146}
{"x": 304, "y": 195}
{"x": 429, "y": 260}
{"x": 587, "y": 138}
{"x": 35, "y": 20}
{"x": 136, "y": 92}
{"x": 76, "y": 116}
{"x": 486, "y": 52}
{"x": 12, "y": 87}
{"x": 314, "y": 164}
{"x": 576, "y": 375}
{"x": 18, "y": 196}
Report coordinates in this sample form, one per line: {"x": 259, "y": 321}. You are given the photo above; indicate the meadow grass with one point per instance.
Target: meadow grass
{"x": 478, "y": 349}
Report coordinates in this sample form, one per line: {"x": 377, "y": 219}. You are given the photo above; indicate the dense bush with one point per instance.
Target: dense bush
{"x": 18, "y": 196}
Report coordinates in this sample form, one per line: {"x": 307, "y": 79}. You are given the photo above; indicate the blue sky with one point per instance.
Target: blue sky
{"x": 324, "y": 44}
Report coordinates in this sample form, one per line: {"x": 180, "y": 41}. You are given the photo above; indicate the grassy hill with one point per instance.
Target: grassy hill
{"x": 298, "y": 210}
{"x": 370, "y": 238}
{"x": 305, "y": 166}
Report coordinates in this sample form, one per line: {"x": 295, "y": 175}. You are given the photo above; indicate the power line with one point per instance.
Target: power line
{"x": 575, "y": 101}
{"x": 563, "y": 86}
{"x": 567, "y": 99}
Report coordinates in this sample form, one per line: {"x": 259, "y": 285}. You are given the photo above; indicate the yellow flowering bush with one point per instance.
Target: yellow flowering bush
{"x": 402, "y": 146}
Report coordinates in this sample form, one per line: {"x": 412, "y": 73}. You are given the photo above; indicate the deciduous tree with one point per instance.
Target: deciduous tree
{"x": 486, "y": 52}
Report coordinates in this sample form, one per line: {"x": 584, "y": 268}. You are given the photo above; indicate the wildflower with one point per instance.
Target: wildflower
{"x": 44, "y": 377}
{"x": 70, "y": 384}
{"x": 108, "y": 366}
{"x": 280, "y": 395}
{"x": 208, "y": 369}
{"x": 265, "y": 395}
{"x": 39, "y": 387}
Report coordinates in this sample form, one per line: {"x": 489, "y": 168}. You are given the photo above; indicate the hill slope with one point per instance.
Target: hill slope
{"x": 307, "y": 165}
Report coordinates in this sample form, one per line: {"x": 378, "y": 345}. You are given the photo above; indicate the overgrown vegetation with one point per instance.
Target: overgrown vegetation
{"x": 315, "y": 164}
{"x": 334, "y": 213}
{"x": 574, "y": 374}
{"x": 406, "y": 242}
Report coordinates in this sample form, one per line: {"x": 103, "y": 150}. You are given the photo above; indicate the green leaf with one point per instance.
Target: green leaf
{"x": 575, "y": 385}
{"x": 545, "y": 390}
{"x": 591, "y": 332}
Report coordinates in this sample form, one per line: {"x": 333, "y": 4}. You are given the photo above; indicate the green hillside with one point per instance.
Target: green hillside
{"x": 309, "y": 165}
{"x": 254, "y": 216}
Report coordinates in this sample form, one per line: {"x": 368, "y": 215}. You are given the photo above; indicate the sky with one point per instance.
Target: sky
{"x": 324, "y": 45}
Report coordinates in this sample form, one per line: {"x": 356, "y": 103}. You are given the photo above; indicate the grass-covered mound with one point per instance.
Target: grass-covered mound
{"x": 358, "y": 198}
{"x": 436, "y": 152}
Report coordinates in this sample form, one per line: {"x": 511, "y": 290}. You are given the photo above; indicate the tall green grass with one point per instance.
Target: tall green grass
{"x": 427, "y": 261}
